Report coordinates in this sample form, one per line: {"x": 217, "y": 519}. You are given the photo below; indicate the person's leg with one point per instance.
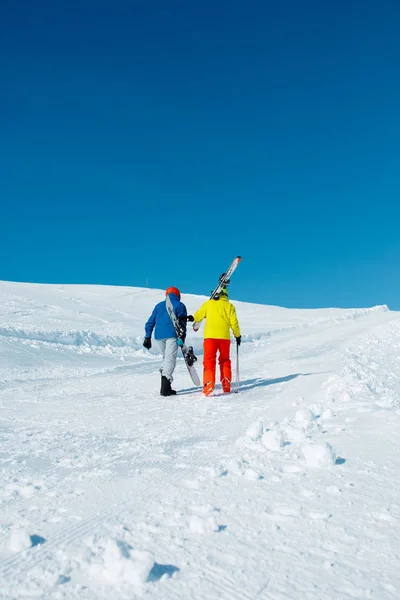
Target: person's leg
{"x": 171, "y": 353}
{"x": 161, "y": 348}
{"x": 209, "y": 362}
{"x": 225, "y": 364}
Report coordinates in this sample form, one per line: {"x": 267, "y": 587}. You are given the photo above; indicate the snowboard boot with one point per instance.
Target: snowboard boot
{"x": 166, "y": 387}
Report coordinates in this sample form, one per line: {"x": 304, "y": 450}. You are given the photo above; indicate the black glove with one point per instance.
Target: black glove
{"x": 147, "y": 343}
{"x": 239, "y": 340}
{"x": 190, "y": 318}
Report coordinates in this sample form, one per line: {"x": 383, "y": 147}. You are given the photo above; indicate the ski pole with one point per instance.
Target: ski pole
{"x": 237, "y": 369}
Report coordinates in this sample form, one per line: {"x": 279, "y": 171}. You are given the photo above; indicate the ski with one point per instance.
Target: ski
{"x": 223, "y": 281}
{"x": 187, "y": 351}
{"x": 225, "y": 277}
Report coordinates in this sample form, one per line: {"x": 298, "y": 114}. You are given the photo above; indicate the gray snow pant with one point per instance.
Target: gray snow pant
{"x": 169, "y": 351}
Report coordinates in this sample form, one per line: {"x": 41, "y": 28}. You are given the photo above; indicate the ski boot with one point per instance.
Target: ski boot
{"x": 226, "y": 385}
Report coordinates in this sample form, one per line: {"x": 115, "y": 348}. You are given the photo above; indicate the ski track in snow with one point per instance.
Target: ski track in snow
{"x": 286, "y": 490}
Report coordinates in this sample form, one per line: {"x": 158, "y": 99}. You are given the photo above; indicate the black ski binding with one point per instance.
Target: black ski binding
{"x": 223, "y": 279}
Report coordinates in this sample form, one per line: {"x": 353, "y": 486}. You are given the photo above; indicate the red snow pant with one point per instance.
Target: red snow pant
{"x": 211, "y": 347}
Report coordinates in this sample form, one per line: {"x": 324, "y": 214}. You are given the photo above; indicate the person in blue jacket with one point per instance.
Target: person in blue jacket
{"x": 166, "y": 337}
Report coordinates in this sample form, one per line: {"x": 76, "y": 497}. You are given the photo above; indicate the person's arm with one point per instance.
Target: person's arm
{"x": 151, "y": 323}
{"x": 234, "y": 323}
{"x": 200, "y": 314}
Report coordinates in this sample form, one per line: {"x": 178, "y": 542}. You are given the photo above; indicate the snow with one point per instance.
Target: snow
{"x": 287, "y": 490}
{"x": 19, "y": 540}
{"x": 114, "y": 562}
{"x": 319, "y": 456}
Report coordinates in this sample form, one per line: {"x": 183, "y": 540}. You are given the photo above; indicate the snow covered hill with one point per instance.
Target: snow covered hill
{"x": 286, "y": 491}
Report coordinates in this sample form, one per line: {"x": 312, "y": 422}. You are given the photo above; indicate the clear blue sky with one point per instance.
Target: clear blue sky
{"x": 157, "y": 139}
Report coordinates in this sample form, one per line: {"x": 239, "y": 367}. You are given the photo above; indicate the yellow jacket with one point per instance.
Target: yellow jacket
{"x": 220, "y": 318}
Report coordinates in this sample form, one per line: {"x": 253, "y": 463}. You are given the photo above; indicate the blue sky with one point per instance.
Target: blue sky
{"x": 152, "y": 141}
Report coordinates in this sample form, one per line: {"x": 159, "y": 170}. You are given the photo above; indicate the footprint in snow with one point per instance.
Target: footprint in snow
{"x": 333, "y": 489}
{"x": 383, "y": 517}
{"x": 319, "y": 515}
{"x": 282, "y": 513}
{"x": 292, "y": 468}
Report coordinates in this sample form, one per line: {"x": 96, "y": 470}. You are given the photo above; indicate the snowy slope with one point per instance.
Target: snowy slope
{"x": 288, "y": 490}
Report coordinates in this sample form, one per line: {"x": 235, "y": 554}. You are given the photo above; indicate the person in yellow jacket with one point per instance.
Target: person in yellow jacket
{"x": 220, "y": 317}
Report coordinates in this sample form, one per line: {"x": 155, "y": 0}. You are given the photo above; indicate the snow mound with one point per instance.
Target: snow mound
{"x": 255, "y": 431}
{"x": 304, "y": 417}
{"x": 319, "y": 455}
{"x": 114, "y": 562}
{"x": 19, "y": 540}
{"x": 70, "y": 337}
{"x": 293, "y": 433}
{"x": 273, "y": 439}
{"x": 201, "y": 525}
{"x": 203, "y": 519}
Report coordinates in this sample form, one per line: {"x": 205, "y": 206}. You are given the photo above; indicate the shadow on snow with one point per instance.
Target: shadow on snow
{"x": 250, "y": 384}
{"x": 159, "y": 571}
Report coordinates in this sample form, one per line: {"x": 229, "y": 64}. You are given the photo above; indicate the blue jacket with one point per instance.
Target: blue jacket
{"x": 161, "y": 321}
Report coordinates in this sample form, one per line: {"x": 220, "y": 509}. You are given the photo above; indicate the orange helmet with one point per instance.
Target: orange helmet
{"x": 173, "y": 290}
